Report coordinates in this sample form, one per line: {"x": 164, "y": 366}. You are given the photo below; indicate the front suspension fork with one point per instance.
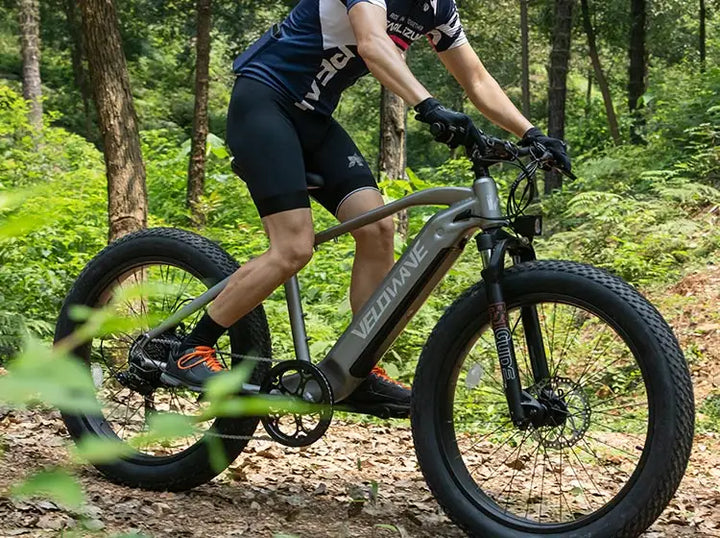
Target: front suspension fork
{"x": 492, "y": 246}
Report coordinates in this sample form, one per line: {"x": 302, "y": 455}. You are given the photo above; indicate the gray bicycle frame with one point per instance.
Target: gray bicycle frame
{"x": 403, "y": 291}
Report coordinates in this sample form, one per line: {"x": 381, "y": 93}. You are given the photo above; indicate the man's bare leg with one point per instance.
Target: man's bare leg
{"x": 374, "y": 246}
{"x": 291, "y": 247}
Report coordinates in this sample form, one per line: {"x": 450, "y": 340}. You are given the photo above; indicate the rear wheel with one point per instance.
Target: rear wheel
{"x": 619, "y": 399}
{"x": 144, "y": 277}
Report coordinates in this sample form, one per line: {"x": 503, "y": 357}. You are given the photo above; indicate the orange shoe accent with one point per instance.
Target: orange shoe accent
{"x": 203, "y": 354}
{"x": 380, "y": 372}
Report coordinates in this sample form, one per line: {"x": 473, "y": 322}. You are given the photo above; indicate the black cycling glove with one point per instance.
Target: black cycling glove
{"x": 453, "y": 127}
{"x": 555, "y": 146}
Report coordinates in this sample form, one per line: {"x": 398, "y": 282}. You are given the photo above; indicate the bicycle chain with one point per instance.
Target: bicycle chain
{"x": 232, "y": 356}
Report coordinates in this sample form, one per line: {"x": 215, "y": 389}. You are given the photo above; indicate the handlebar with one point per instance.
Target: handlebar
{"x": 484, "y": 150}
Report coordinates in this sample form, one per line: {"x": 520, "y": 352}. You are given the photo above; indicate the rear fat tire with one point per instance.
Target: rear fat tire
{"x": 206, "y": 259}
{"x": 666, "y": 376}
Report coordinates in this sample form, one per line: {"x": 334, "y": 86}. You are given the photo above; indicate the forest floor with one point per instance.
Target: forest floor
{"x": 271, "y": 491}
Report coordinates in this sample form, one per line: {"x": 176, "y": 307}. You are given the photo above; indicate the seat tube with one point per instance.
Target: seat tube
{"x": 297, "y": 319}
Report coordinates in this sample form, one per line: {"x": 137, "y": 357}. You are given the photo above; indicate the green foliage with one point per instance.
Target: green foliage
{"x": 57, "y": 226}
{"x": 644, "y": 211}
{"x": 709, "y": 413}
{"x": 40, "y": 376}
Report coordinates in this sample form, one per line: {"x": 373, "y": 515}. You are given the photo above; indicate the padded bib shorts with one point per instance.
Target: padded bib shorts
{"x": 274, "y": 145}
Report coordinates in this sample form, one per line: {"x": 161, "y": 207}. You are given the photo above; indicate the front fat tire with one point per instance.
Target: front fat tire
{"x": 667, "y": 380}
{"x": 191, "y": 467}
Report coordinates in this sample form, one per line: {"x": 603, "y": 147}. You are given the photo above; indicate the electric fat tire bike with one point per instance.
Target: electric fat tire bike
{"x": 551, "y": 398}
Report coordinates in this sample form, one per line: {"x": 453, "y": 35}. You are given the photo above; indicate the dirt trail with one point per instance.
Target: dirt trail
{"x": 271, "y": 490}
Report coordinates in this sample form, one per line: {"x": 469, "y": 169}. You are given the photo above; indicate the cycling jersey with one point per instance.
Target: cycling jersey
{"x": 311, "y": 58}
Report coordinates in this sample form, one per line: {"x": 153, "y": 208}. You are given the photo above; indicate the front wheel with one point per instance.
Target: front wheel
{"x": 617, "y": 442}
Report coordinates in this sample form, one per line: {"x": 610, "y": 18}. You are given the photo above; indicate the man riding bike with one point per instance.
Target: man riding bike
{"x": 280, "y": 128}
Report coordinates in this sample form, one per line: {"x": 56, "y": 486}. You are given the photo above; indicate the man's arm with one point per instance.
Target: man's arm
{"x": 381, "y": 55}
{"x": 483, "y": 90}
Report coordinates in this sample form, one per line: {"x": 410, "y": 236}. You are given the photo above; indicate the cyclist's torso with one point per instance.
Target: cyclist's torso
{"x": 312, "y": 56}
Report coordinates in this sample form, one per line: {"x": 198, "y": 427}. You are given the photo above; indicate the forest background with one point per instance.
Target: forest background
{"x": 632, "y": 85}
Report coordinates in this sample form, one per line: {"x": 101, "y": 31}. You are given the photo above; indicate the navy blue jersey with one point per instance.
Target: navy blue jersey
{"x": 312, "y": 57}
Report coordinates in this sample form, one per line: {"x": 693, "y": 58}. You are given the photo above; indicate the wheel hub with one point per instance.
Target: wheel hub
{"x": 566, "y": 415}
{"x": 145, "y": 363}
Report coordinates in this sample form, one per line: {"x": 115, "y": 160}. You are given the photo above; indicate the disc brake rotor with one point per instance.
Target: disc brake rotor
{"x": 568, "y": 399}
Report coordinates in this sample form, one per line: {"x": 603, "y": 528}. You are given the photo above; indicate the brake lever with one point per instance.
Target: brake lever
{"x": 548, "y": 162}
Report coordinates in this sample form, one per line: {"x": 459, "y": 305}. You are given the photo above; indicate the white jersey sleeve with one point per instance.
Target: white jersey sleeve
{"x": 448, "y": 32}
{"x": 379, "y": 3}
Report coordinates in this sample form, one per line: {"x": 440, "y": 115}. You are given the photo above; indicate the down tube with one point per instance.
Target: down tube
{"x": 392, "y": 306}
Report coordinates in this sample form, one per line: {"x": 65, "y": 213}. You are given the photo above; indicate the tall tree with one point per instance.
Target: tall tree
{"x": 392, "y": 154}
{"x": 127, "y": 195}
{"x": 525, "y": 45}
{"x": 557, "y": 94}
{"x": 30, "y": 47}
{"x": 196, "y": 168}
{"x": 703, "y": 37}
{"x": 588, "y": 93}
{"x": 599, "y": 73}
{"x": 637, "y": 71}
{"x": 79, "y": 59}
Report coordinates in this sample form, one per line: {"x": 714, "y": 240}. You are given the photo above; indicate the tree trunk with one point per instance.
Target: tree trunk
{"x": 392, "y": 154}
{"x": 637, "y": 71}
{"x": 78, "y": 57}
{"x": 525, "y": 39}
{"x": 703, "y": 38}
{"x": 30, "y": 48}
{"x": 559, "y": 62}
{"x": 196, "y": 168}
{"x": 599, "y": 74}
{"x": 588, "y": 93}
{"x": 127, "y": 196}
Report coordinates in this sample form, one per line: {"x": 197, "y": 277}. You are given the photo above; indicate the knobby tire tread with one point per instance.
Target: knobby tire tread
{"x": 683, "y": 395}
{"x": 187, "y": 244}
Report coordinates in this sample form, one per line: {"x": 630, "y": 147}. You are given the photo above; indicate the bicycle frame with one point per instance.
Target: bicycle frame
{"x": 406, "y": 287}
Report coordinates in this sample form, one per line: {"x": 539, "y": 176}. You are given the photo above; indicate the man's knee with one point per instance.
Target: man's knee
{"x": 292, "y": 255}
{"x": 291, "y": 239}
{"x": 379, "y": 234}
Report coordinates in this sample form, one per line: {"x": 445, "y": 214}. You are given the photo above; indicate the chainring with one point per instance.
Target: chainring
{"x": 302, "y": 380}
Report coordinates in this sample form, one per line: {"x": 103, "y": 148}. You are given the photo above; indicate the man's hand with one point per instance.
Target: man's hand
{"x": 555, "y": 146}
{"x": 455, "y": 127}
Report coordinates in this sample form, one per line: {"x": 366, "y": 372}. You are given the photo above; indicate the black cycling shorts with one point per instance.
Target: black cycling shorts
{"x": 274, "y": 143}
